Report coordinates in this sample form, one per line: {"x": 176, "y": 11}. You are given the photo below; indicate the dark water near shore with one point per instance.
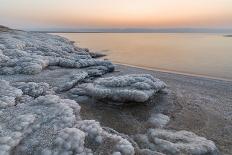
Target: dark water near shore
{"x": 192, "y": 53}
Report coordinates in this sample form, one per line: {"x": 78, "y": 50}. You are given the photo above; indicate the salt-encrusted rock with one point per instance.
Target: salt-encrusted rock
{"x": 49, "y": 125}
{"x": 96, "y": 133}
{"x": 8, "y": 94}
{"x": 29, "y": 53}
{"x": 158, "y": 120}
{"x": 176, "y": 142}
{"x": 97, "y": 71}
{"x": 72, "y": 81}
{"x": 33, "y": 89}
{"x": 96, "y": 54}
{"x": 69, "y": 141}
{"x": 134, "y": 87}
{"x": 33, "y": 126}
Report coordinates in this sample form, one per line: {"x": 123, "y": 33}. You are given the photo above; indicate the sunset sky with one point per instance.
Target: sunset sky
{"x": 116, "y": 13}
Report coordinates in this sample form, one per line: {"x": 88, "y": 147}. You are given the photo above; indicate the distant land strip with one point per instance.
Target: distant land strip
{"x": 134, "y": 30}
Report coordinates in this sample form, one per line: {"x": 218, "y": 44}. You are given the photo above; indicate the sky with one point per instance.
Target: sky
{"x": 27, "y": 14}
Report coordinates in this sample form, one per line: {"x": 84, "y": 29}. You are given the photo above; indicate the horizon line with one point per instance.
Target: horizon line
{"x": 132, "y": 30}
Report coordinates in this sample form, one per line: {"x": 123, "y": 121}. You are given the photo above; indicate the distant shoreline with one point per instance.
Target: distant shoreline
{"x": 228, "y": 35}
{"x": 225, "y": 31}
{"x": 174, "y": 72}
{"x": 130, "y": 32}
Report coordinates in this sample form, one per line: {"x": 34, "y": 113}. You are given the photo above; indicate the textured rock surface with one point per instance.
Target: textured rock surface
{"x": 72, "y": 81}
{"x": 8, "y": 94}
{"x": 33, "y": 89}
{"x": 176, "y": 142}
{"x": 29, "y": 53}
{"x": 55, "y": 124}
{"x": 134, "y": 87}
{"x": 158, "y": 120}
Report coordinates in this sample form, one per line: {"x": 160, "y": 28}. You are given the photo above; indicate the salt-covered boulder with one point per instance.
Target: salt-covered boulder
{"x": 158, "y": 120}
{"x": 97, "y": 134}
{"x": 133, "y": 87}
{"x": 33, "y": 89}
{"x": 176, "y": 142}
{"x": 8, "y": 94}
{"x": 29, "y": 53}
{"x": 69, "y": 141}
{"x": 33, "y": 126}
{"x": 50, "y": 125}
{"x": 72, "y": 81}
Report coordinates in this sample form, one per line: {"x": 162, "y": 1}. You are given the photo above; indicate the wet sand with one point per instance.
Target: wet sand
{"x": 200, "y": 105}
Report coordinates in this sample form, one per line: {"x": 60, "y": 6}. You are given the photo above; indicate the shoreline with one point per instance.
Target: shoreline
{"x": 194, "y": 104}
{"x": 174, "y": 72}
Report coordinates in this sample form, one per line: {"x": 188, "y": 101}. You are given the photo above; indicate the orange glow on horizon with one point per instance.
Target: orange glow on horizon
{"x": 121, "y": 13}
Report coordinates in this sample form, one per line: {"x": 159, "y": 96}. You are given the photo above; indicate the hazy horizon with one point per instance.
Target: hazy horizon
{"x": 131, "y": 30}
{"x": 121, "y": 14}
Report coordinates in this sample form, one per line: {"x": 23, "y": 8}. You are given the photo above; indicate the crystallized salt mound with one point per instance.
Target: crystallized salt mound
{"x": 158, "y": 120}
{"x": 72, "y": 81}
{"x": 69, "y": 141}
{"x": 97, "y": 71}
{"x": 176, "y": 143}
{"x": 50, "y": 125}
{"x": 95, "y": 132}
{"x": 133, "y": 87}
{"x": 30, "y": 127}
{"x": 29, "y": 53}
{"x": 33, "y": 89}
{"x": 8, "y": 94}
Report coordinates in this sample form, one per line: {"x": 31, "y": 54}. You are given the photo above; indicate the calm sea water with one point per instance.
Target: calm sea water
{"x": 200, "y": 54}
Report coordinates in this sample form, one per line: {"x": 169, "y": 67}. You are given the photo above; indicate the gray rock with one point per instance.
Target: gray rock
{"x": 33, "y": 89}
{"x": 8, "y": 94}
{"x": 176, "y": 142}
{"x": 158, "y": 120}
{"x": 29, "y": 53}
{"x": 134, "y": 87}
{"x": 50, "y": 125}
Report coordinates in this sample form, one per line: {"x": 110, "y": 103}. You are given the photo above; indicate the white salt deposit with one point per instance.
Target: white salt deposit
{"x": 29, "y": 53}
{"x": 8, "y": 94}
{"x": 33, "y": 89}
{"x": 176, "y": 142}
{"x": 132, "y": 87}
{"x": 158, "y": 120}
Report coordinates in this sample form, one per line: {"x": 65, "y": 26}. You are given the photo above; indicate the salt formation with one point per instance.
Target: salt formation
{"x": 8, "y": 94}
{"x": 69, "y": 141}
{"x": 33, "y": 89}
{"x": 158, "y": 120}
{"x": 176, "y": 142}
{"x": 133, "y": 87}
{"x": 97, "y": 134}
{"x": 29, "y": 53}
{"x": 97, "y": 71}
{"x": 50, "y": 125}
{"x": 72, "y": 81}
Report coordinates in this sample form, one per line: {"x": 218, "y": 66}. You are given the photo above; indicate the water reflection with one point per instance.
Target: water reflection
{"x": 202, "y": 54}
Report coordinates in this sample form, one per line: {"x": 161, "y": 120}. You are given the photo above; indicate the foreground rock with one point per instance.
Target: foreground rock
{"x": 176, "y": 143}
{"x": 127, "y": 88}
{"x": 8, "y": 94}
{"x": 29, "y": 53}
{"x": 50, "y": 125}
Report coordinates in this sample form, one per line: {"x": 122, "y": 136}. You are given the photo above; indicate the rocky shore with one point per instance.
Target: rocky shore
{"x": 56, "y": 98}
